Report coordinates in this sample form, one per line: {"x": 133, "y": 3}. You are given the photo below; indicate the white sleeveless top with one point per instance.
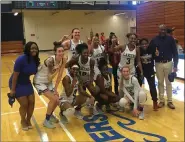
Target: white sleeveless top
{"x": 43, "y": 75}
{"x": 84, "y": 70}
{"x": 73, "y": 94}
{"x": 98, "y": 54}
{"x": 72, "y": 49}
{"x": 128, "y": 58}
{"x": 107, "y": 83}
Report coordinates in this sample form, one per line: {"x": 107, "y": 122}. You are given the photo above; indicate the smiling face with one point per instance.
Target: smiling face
{"x": 125, "y": 72}
{"x": 104, "y": 70}
{"x": 144, "y": 44}
{"x": 76, "y": 34}
{"x": 33, "y": 50}
{"x": 85, "y": 54}
{"x": 132, "y": 39}
{"x": 74, "y": 71}
{"x": 59, "y": 53}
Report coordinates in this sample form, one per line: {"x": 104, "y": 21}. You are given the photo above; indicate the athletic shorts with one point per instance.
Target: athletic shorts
{"x": 43, "y": 87}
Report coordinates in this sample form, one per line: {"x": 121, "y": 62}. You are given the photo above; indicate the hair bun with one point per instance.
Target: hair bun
{"x": 56, "y": 43}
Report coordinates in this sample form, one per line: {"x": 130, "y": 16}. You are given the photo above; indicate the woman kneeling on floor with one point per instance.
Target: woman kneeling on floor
{"x": 69, "y": 98}
{"x": 133, "y": 96}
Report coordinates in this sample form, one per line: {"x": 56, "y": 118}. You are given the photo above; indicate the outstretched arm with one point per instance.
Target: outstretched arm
{"x": 61, "y": 70}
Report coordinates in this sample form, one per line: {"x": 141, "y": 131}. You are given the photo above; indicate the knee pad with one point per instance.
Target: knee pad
{"x": 123, "y": 102}
{"x": 69, "y": 112}
{"x": 142, "y": 96}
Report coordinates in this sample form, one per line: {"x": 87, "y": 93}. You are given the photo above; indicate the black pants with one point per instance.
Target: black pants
{"x": 114, "y": 72}
{"x": 152, "y": 87}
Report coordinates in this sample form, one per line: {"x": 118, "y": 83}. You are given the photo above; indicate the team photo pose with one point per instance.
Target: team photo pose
{"x": 69, "y": 98}
{"x": 52, "y": 66}
{"x": 148, "y": 69}
{"x": 133, "y": 96}
{"x": 97, "y": 52}
{"x": 20, "y": 84}
{"x": 86, "y": 71}
{"x": 129, "y": 53}
{"x": 104, "y": 82}
{"x": 70, "y": 44}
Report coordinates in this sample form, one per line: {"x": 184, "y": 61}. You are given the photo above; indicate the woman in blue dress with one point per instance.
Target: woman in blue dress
{"x": 20, "y": 84}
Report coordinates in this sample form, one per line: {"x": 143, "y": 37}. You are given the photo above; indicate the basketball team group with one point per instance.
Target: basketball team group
{"x": 88, "y": 78}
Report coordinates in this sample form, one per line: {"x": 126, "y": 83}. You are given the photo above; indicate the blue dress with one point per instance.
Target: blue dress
{"x": 25, "y": 69}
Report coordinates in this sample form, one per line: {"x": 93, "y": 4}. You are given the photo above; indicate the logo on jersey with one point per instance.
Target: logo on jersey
{"x": 129, "y": 55}
{"x": 146, "y": 59}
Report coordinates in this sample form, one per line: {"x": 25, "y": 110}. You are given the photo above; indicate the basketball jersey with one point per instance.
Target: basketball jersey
{"x": 98, "y": 54}
{"x": 128, "y": 58}
{"x": 84, "y": 71}
{"x": 72, "y": 49}
{"x": 107, "y": 83}
{"x": 129, "y": 86}
{"x": 43, "y": 75}
{"x": 72, "y": 97}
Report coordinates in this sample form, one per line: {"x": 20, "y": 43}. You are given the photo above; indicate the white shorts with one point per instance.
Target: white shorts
{"x": 42, "y": 87}
{"x": 96, "y": 72}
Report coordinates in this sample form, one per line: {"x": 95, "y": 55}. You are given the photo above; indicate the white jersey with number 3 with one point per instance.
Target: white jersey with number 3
{"x": 128, "y": 58}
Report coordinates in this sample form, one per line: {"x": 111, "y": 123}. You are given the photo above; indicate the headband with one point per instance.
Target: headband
{"x": 74, "y": 66}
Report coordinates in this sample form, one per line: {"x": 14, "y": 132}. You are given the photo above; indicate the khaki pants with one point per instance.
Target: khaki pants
{"x": 162, "y": 71}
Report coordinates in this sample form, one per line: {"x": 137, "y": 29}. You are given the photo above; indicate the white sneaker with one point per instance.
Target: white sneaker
{"x": 63, "y": 119}
{"x": 141, "y": 115}
{"x": 48, "y": 124}
{"x": 53, "y": 119}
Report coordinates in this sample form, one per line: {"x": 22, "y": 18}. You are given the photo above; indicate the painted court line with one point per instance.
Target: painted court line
{"x": 7, "y": 113}
{"x": 64, "y": 128}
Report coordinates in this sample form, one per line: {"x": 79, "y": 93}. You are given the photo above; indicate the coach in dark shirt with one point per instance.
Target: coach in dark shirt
{"x": 164, "y": 49}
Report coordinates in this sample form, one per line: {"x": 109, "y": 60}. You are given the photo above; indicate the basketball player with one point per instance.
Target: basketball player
{"x": 71, "y": 44}
{"x": 97, "y": 54}
{"x": 132, "y": 92}
{"x": 104, "y": 82}
{"x": 129, "y": 53}
{"x": 69, "y": 97}
{"x": 52, "y": 66}
{"x": 86, "y": 71}
{"x": 148, "y": 70}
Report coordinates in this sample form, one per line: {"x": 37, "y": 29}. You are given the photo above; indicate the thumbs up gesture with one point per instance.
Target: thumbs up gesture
{"x": 157, "y": 52}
